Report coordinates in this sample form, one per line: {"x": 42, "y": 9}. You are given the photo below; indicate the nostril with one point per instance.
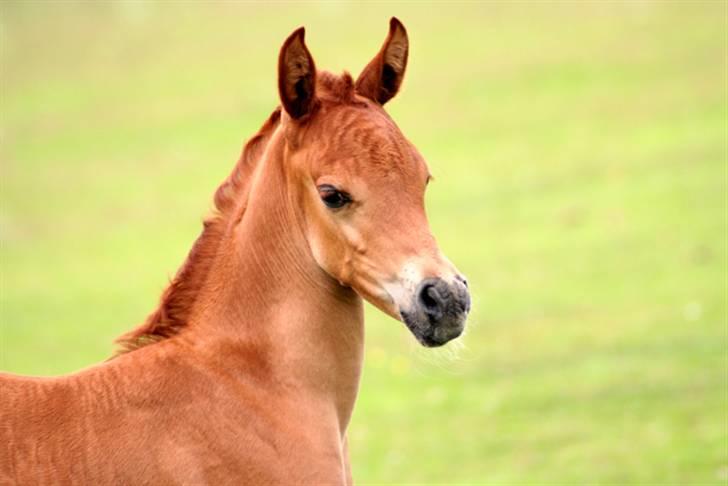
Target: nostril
{"x": 462, "y": 279}
{"x": 430, "y": 297}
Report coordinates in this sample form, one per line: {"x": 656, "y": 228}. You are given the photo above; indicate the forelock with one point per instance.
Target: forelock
{"x": 335, "y": 88}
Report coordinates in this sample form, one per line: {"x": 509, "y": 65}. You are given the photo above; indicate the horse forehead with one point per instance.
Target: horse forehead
{"x": 372, "y": 143}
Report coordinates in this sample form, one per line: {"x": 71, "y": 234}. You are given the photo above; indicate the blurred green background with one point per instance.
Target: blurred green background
{"x": 579, "y": 150}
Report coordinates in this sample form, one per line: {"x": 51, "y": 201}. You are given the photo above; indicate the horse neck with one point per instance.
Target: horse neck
{"x": 271, "y": 308}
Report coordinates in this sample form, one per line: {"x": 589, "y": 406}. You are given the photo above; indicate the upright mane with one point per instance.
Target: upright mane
{"x": 172, "y": 314}
{"x": 178, "y": 299}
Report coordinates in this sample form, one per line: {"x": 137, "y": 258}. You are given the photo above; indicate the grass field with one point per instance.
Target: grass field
{"x": 580, "y": 156}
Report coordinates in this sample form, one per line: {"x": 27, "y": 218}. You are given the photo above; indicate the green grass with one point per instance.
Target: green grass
{"x": 579, "y": 151}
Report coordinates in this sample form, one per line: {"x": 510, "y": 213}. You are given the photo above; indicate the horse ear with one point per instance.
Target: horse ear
{"x": 296, "y": 76}
{"x": 383, "y": 76}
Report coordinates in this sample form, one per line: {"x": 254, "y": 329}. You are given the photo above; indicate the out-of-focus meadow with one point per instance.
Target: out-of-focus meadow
{"x": 579, "y": 151}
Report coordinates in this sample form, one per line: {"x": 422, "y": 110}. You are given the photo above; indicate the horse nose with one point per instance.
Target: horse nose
{"x": 439, "y": 311}
{"x": 441, "y": 302}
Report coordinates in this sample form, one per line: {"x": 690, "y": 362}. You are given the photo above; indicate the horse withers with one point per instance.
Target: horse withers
{"x": 248, "y": 370}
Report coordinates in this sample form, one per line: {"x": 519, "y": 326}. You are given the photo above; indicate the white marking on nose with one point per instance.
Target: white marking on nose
{"x": 402, "y": 288}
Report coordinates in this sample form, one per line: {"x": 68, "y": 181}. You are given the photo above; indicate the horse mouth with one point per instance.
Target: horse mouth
{"x": 432, "y": 335}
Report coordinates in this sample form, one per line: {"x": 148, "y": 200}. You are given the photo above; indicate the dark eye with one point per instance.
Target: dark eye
{"x": 332, "y": 197}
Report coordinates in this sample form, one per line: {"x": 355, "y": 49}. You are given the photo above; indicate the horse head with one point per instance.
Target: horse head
{"x": 361, "y": 187}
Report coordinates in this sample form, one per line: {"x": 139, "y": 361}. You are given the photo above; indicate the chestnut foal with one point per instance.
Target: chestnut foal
{"x": 248, "y": 371}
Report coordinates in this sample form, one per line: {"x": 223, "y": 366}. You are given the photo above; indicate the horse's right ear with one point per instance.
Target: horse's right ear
{"x": 296, "y": 76}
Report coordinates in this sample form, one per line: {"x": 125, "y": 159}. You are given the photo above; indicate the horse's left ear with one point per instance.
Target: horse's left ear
{"x": 383, "y": 76}
{"x": 296, "y": 76}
